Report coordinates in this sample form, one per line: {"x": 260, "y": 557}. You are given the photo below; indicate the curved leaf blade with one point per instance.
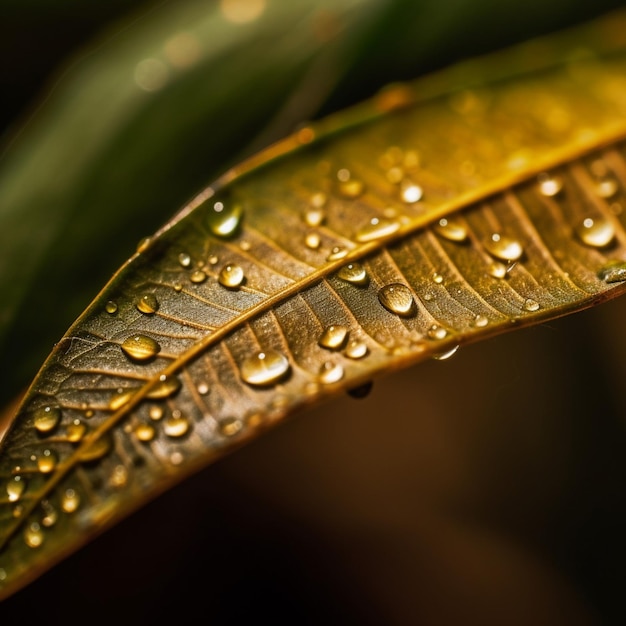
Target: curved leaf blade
{"x": 393, "y": 233}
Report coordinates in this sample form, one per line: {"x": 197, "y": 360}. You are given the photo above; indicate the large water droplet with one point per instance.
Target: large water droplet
{"x": 15, "y": 488}
{"x": 549, "y": 186}
{"x": 46, "y": 418}
{"x": 70, "y": 501}
{"x": 33, "y": 535}
{"x": 450, "y": 229}
{"x": 334, "y": 337}
{"x": 176, "y": 425}
{"x": 147, "y": 304}
{"x": 264, "y": 368}
{"x": 223, "y": 221}
{"x": 613, "y": 272}
{"x": 480, "y": 321}
{"x": 353, "y": 273}
{"x": 397, "y": 298}
{"x": 166, "y": 387}
{"x": 231, "y": 276}
{"x": 597, "y": 233}
{"x": 376, "y": 228}
{"x": 47, "y": 462}
{"x": 504, "y": 248}
{"x": 184, "y": 259}
{"x": 140, "y": 347}
{"x": 356, "y": 349}
{"x": 331, "y": 373}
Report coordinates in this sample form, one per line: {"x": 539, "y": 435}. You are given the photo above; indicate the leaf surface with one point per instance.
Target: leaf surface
{"x": 438, "y": 214}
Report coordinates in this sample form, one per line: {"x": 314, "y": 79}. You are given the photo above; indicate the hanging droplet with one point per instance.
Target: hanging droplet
{"x": 437, "y": 278}
{"x": 443, "y": 356}
{"x": 15, "y": 488}
{"x": 166, "y": 387}
{"x": 361, "y": 391}
{"x": 410, "y": 192}
{"x": 597, "y": 233}
{"x": 314, "y": 217}
{"x": 549, "y": 186}
{"x": 497, "y": 270}
{"x": 312, "y": 241}
{"x": 606, "y": 188}
{"x": 437, "y": 332}
{"x": 230, "y": 426}
{"x": 224, "y": 221}
{"x": 353, "y": 273}
{"x": 176, "y": 425}
{"x": 144, "y": 432}
{"x": 76, "y": 431}
{"x": 140, "y": 347}
{"x": 331, "y": 373}
{"x": 121, "y": 398}
{"x": 333, "y": 337}
{"x": 356, "y": 349}
{"x": 147, "y": 304}
{"x": 480, "y": 321}
{"x": 184, "y": 259}
{"x": 231, "y": 276}
{"x": 110, "y": 307}
{"x": 198, "y": 277}
{"x": 531, "y": 305}
{"x": 613, "y": 272}
{"x": 46, "y": 419}
{"x": 376, "y": 228}
{"x": 47, "y": 462}
{"x": 33, "y": 535}
{"x": 50, "y": 514}
{"x": 265, "y": 368}
{"x": 504, "y": 248}
{"x": 397, "y": 298}
{"x": 70, "y": 501}
{"x": 337, "y": 253}
{"x": 96, "y": 450}
{"x": 450, "y": 229}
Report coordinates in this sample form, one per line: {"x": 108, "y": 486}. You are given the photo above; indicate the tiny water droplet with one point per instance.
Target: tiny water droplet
{"x": 531, "y": 305}
{"x": 397, "y": 298}
{"x": 176, "y": 426}
{"x": 331, "y": 373}
{"x": 144, "y": 432}
{"x": 147, "y": 304}
{"x": 353, "y": 273}
{"x": 410, "y": 192}
{"x": 155, "y": 412}
{"x": 230, "y": 426}
{"x": 356, "y": 349}
{"x": 480, "y": 321}
{"x": 337, "y": 253}
{"x": 46, "y": 418}
{"x": 76, "y": 431}
{"x": 504, "y": 248}
{"x": 314, "y": 217}
{"x": 198, "y": 277}
{"x": 349, "y": 187}
{"x": 333, "y": 337}
{"x": 437, "y": 278}
{"x": 70, "y": 501}
{"x": 47, "y": 462}
{"x": 312, "y": 241}
{"x": 50, "y": 515}
{"x": 184, "y": 259}
{"x": 376, "y": 228}
{"x": 96, "y": 450}
{"x": 549, "y": 186}
{"x": 178, "y": 287}
{"x": 140, "y": 347}
{"x": 606, "y": 188}
{"x": 613, "y": 272}
{"x": 33, "y": 535}
{"x": 15, "y": 488}
{"x": 437, "y": 332}
{"x": 110, "y": 307}
{"x": 223, "y": 221}
{"x": 361, "y": 391}
{"x": 203, "y": 388}
{"x": 597, "y": 233}
{"x": 166, "y": 387}
{"x": 213, "y": 259}
{"x": 264, "y": 368}
{"x": 231, "y": 276}
{"x": 450, "y": 229}
{"x": 497, "y": 270}
{"x": 443, "y": 356}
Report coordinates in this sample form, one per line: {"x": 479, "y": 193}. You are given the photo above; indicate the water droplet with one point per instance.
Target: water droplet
{"x": 144, "y": 432}
{"x": 597, "y": 233}
{"x": 443, "y": 356}
{"x": 397, "y": 298}
{"x": 176, "y": 425}
{"x": 155, "y": 412}
{"x": 230, "y": 426}
{"x": 353, "y": 273}
{"x": 410, "y": 192}
{"x": 166, "y": 387}
{"x": 96, "y": 450}
{"x": 197, "y": 277}
{"x": 314, "y": 217}
{"x": 606, "y": 188}
{"x": 203, "y": 389}
{"x": 46, "y": 418}
{"x": 334, "y": 337}
{"x": 47, "y": 462}
{"x": 437, "y": 278}
{"x": 376, "y": 228}
{"x": 120, "y": 399}
{"x": 337, "y": 253}
{"x": 450, "y": 229}
{"x": 361, "y": 391}
{"x": 613, "y": 272}
{"x": 184, "y": 259}
{"x": 147, "y": 304}
{"x": 312, "y": 241}
{"x": 437, "y": 332}
{"x": 497, "y": 270}
{"x": 140, "y": 347}
{"x": 331, "y": 373}
{"x": 356, "y": 349}
{"x": 15, "y": 488}
{"x": 224, "y": 221}
{"x": 504, "y": 248}
{"x": 70, "y": 501}
{"x": 143, "y": 244}
{"x": 231, "y": 276}
{"x": 480, "y": 321}
{"x": 349, "y": 187}
{"x": 264, "y": 368}
{"x": 33, "y": 535}
{"x": 549, "y": 186}
{"x": 531, "y": 305}
{"x": 110, "y": 307}
{"x": 76, "y": 431}
{"x": 318, "y": 200}
{"x": 178, "y": 287}
{"x": 245, "y": 245}
{"x": 50, "y": 515}
{"x": 213, "y": 259}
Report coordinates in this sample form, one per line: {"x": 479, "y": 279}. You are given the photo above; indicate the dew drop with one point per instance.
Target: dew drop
{"x": 224, "y": 221}
{"x": 331, "y": 373}
{"x": 437, "y": 278}
{"x": 70, "y": 501}
{"x": 198, "y": 277}
{"x": 213, "y": 259}
{"x": 231, "y": 276}
{"x": 120, "y": 399}
{"x": 443, "y": 356}
{"x": 76, "y": 431}
{"x": 337, "y": 253}
{"x": 46, "y": 418}
{"x": 480, "y": 321}
{"x": 33, "y": 535}
{"x": 356, "y": 349}
{"x": 410, "y": 192}
{"x": 613, "y": 272}
{"x": 50, "y": 515}
{"x": 166, "y": 387}
{"x": 361, "y": 391}
{"x": 203, "y": 389}
{"x": 178, "y": 287}
{"x": 437, "y": 332}
{"x": 318, "y": 200}
{"x": 376, "y": 228}
{"x": 47, "y": 462}
{"x": 245, "y": 246}
{"x": 353, "y": 273}
{"x": 140, "y": 347}
{"x": 15, "y": 488}
{"x": 184, "y": 259}
{"x": 110, "y": 307}
{"x": 597, "y": 233}
{"x": 144, "y": 432}
{"x": 312, "y": 241}
{"x": 147, "y": 304}
{"x": 452, "y": 230}
{"x": 497, "y": 270}
{"x": 96, "y": 450}
{"x": 549, "y": 186}
{"x": 155, "y": 412}
{"x": 230, "y": 426}
{"x": 531, "y": 305}
{"x": 397, "y": 298}
{"x": 176, "y": 426}
{"x": 606, "y": 188}
{"x": 333, "y": 337}
{"x": 314, "y": 217}
{"x": 264, "y": 368}
{"x": 504, "y": 248}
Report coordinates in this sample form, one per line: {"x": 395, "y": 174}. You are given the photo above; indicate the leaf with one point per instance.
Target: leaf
{"x": 431, "y": 217}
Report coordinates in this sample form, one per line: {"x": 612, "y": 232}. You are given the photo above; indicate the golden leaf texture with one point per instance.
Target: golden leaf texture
{"x": 439, "y": 213}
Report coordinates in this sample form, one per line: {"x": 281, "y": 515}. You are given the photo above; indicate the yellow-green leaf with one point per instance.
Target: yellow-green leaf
{"x": 435, "y": 215}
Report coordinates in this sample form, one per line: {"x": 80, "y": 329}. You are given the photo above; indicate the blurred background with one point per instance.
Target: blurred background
{"x": 488, "y": 489}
